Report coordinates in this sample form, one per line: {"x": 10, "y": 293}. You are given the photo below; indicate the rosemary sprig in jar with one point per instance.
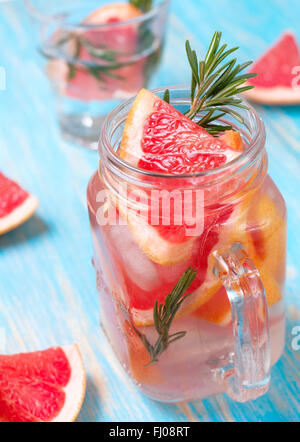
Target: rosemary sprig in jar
{"x": 163, "y": 315}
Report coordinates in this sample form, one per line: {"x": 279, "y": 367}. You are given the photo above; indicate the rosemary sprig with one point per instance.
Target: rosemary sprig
{"x": 72, "y": 67}
{"x": 215, "y": 85}
{"x": 163, "y": 315}
{"x": 98, "y": 71}
{"x": 143, "y": 5}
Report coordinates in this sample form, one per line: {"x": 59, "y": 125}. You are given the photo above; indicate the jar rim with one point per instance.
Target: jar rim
{"x": 58, "y": 18}
{"x": 255, "y": 146}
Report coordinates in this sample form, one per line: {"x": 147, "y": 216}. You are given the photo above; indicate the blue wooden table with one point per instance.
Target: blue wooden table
{"x": 47, "y": 284}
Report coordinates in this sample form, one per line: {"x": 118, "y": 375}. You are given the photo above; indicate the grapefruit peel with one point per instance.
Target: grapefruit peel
{"x": 74, "y": 395}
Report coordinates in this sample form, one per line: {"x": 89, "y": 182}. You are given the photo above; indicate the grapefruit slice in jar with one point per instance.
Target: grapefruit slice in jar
{"x": 249, "y": 230}
{"x": 278, "y": 79}
{"x": 267, "y": 228}
{"x": 158, "y": 138}
{"x": 42, "y": 386}
{"x": 16, "y": 205}
{"x": 87, "y": 83}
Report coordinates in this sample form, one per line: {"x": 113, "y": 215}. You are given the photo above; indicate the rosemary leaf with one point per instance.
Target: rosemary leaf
{"x": 166, "y": 96}
{"x": 72, "y": 67}
{"x": 215, "y": 85}
{"x": 163, "y": 315}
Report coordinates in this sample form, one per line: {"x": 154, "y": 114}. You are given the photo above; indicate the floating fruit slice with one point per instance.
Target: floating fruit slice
{"x": 16, "y": 205}
{"x": 84, "y": 80}
{"x": 43, "y": 386}
{"x": 233, "y": 139}
{"x": 277, "y": 69}
{"x": 272, "y": 289}
{"x": 216, "y": 310}
{"x": 267, "y": 228}
{"x": 139, "y": 358}
{"x": 157, "y": 137}
{"x": 228, "y": 229}
{"x": 247, "y": 228}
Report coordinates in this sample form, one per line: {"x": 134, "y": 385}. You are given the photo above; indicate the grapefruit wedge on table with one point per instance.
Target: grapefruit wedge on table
{"x": 278, "y": 79}
{"x": 16, "y": 205}
{"x": 82, "y": 84}
{"x": 42, "y": 386}
{"x": 158, "y": 138}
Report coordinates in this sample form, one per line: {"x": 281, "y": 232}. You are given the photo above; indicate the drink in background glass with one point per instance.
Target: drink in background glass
{"x": 97, "y": 54}
{"x": 228, "y": 346}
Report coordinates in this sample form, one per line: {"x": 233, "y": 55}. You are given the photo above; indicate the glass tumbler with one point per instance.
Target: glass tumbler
{"x": 229, "y": 330}
{"x": 92, "y": 67}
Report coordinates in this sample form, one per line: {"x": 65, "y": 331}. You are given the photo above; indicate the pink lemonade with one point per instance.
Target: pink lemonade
{"x": 130, "y": 279}
{"x": 124, "y": 272}
{"x": 189, "y": 239}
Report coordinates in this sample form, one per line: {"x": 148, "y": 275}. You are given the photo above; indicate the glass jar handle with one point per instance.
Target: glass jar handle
{"x": 249, "y": 377}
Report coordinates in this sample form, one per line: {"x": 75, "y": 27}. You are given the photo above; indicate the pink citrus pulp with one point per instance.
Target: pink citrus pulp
{"x": 42, "y": 386}
{"x": 16, "y": 205}
{"x": 278, "y": 70}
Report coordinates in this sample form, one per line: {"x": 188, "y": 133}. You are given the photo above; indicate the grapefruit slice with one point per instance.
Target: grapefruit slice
{"x": 277, "y": 70}
{"x": 16, "y": 205}
{"x": 43, "y": 386}
{"x": 230, "y": 228}
{"x": 267, "y": 228}
{"x": 216, "y": 308}
{"x": 233, "y": 139}
{"x": 159, "y": 138}
{"x": 124, "y": 81}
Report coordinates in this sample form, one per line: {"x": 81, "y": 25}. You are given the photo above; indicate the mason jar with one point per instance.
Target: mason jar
{"x": 229, "y": 329}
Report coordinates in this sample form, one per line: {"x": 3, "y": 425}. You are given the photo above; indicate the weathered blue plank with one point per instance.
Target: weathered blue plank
{"x": 47, "y": 284}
